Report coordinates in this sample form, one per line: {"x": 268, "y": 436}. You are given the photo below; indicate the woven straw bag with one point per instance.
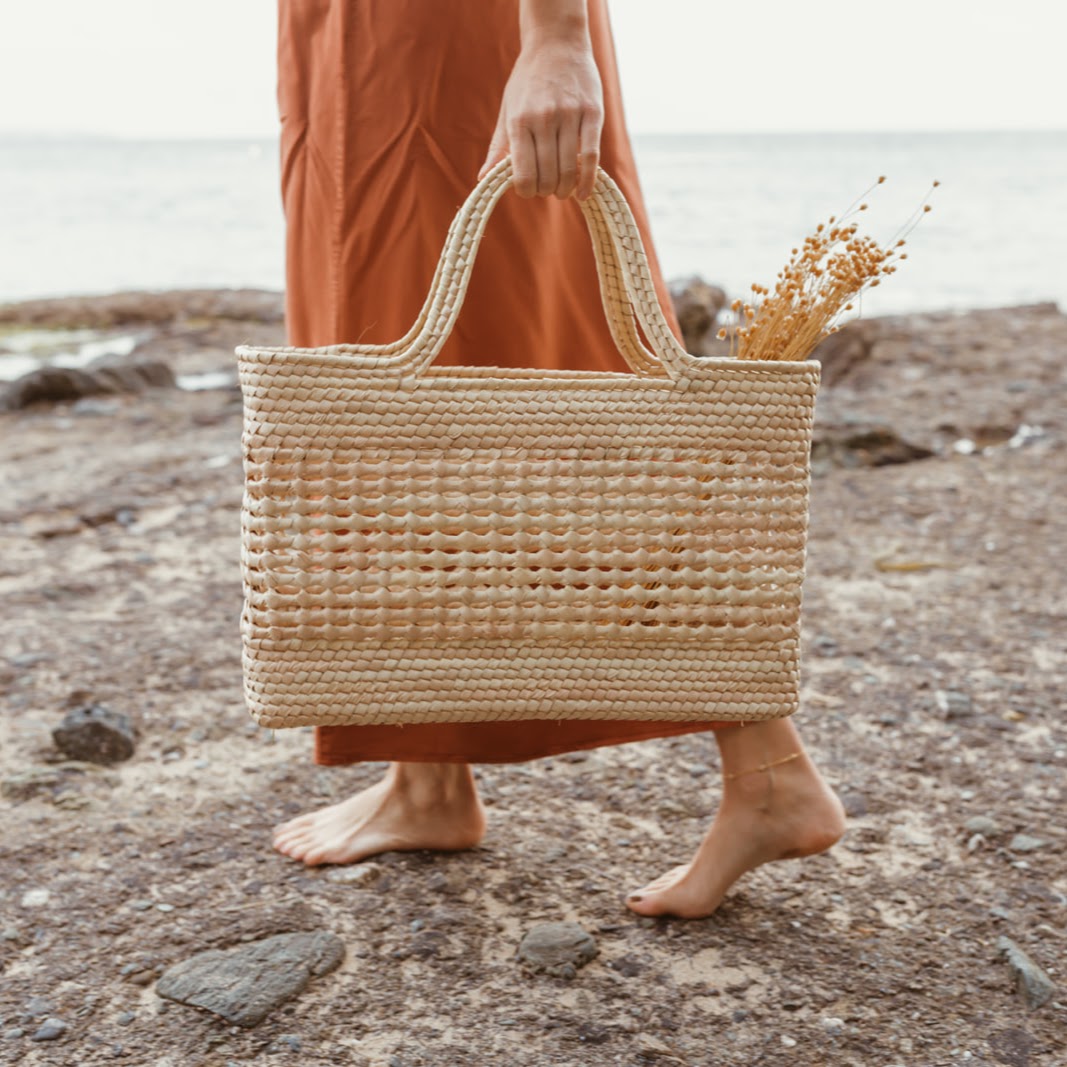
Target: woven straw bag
{"x": 464, "y": 544}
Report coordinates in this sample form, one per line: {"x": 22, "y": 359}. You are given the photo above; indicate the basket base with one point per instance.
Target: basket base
{"x": 338, "y": 686}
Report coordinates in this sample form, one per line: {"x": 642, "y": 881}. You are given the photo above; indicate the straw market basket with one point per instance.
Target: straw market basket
{"x": 464, "y": 544}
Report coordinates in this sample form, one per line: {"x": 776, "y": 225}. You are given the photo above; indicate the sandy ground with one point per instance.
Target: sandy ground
{"x": 934, "y": 677}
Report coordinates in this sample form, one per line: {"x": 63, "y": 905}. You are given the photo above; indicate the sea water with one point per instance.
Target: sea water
{"x": 86, "y": 216}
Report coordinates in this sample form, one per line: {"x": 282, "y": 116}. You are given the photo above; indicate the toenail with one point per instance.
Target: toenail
{"x": 635, "y": 896}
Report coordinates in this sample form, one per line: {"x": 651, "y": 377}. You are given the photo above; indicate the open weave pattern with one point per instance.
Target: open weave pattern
{"x": 463, "y": 544}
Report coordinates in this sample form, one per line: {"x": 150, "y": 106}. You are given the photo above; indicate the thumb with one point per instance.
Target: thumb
{"x": 498, "y": 147}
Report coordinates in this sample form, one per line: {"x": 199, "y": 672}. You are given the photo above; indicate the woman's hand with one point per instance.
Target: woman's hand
{"x": 552, "y": 113}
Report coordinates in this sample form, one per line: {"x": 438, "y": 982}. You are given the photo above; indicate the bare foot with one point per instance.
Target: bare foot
{"x": 415, "y": 806}
{"x": 782, "y": 813}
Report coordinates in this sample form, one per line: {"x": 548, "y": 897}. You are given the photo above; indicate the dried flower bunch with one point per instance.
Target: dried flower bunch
{"x": 820, "y": 282}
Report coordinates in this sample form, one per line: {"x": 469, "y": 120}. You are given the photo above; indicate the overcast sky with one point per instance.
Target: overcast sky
{"x": 206, "y": 68}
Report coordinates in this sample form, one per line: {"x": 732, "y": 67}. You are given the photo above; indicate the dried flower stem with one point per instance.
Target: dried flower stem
{"x": 831, "y": 269}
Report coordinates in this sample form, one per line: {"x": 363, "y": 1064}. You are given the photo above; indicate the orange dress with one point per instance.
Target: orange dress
{"x": 387, "y": 109}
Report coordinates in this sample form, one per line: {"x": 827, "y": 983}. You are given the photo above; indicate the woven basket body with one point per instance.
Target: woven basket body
{"x": 464, "y": 544}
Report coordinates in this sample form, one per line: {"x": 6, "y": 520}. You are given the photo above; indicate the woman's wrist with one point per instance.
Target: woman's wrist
{"x": 553, "y": 22}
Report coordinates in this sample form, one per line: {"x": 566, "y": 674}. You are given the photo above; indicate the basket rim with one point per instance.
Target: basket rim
{"x": 297, "y": 353}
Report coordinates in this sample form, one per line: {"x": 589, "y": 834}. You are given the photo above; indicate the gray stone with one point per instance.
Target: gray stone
{"x": 38, "y": 1006}
{"x": 51, "y": 384}
{"x": 1025, "y": 843}
{"x": 1011, "y": 1047}
{"x": 31, "y": 659}
{"x": 360, "y": 874}
{"x": 697, "y": 305}
{"x": 244, "y": 985}
{"x": 874, "y": 445}
{"x": 49, "y": 1030}
{"x": 984, "y": 825}
{"x": 29, "y": 784}
{"x": 1031, "y": 982}
{"x": 953, "y": 704}
{"x": 855, "y": 804}
{"x": 557, "y": 948}
{"x": 14, "y": 1032}
{"x": 95, "y": 734}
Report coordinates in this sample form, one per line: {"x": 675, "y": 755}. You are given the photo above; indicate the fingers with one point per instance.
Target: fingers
{"x": 498, "y": 148}
{"x": 567, "y": 155}
{"x": 523, "y": 161}
{"x": 588, "y": 151}
{"x": 543, "y": 127}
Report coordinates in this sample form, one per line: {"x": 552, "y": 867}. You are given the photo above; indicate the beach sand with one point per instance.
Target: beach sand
{"x": 935, "y": 667}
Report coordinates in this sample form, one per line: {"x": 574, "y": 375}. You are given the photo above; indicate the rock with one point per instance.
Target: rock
{"x": 147, "y": 307}
{"x": 30, "y": 659}
{"x": 14, "y": 1033}
{"x": 855, "y": 804}
{"x": 953, "y": 704}
{"x": 697, "y": 305}
{"x": 37, "y": 1007}
{"x": 1011, "y": 1047}
{"x": 982, "y": 824}
{"x": 557, "y": 948}
{"x": 360, "y": 874}
{"x": 49, "y": 1030}
{"x": 1025, "y": 843}
{"x": 874, "y": 445}
{"x": 29, "y": 784}
{"x": 1031, "y": 982}
{"x": 35, "y": 898}
{"x": 92, "y": 405}
{"x": 52, "y": 384}
{"x": 95, "y": 734}
{"x": 244, "y": 985}
{"x": 843, "y": 352}
{"x": 788, "y": 1042}
{"x": 832, "y": 1025}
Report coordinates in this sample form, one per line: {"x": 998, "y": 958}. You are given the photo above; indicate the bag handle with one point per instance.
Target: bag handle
{"x": 622, "y": 267}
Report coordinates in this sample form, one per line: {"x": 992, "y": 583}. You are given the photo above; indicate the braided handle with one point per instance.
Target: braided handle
{"x": 622, "y": 267}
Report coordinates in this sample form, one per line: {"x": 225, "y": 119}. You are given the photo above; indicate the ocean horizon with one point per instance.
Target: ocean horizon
{"x": 90, "y": 214}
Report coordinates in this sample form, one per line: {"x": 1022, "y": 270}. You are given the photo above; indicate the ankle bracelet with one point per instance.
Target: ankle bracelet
{"x": 763, "y": 766}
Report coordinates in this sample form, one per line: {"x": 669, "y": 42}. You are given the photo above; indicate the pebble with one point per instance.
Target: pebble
{"x": 95, "y": 734}
{"x": 855, "y": 805}
{"x": 125, "y": 1018}
{"x": 14, "y": 1032}
{"x": 35, "y": 898}
{"x": 558, "y": 948}
{"x": 1031, "y": 982}
{"x": 30, "y": 659}
{"x": 1025, "y": 843}
{"x": 789, "y": 1042}
{"x": 49, "y": 1030}
{"x": 244, "y": 985}
{"x": 982, "y": 824}
{"x": 360, "y": 874}
{"x": 832, "y": 1025}
{"x": 28, "y": 784}
{"x": 953, "y": 704}
{"x": 38, "y": 1006}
